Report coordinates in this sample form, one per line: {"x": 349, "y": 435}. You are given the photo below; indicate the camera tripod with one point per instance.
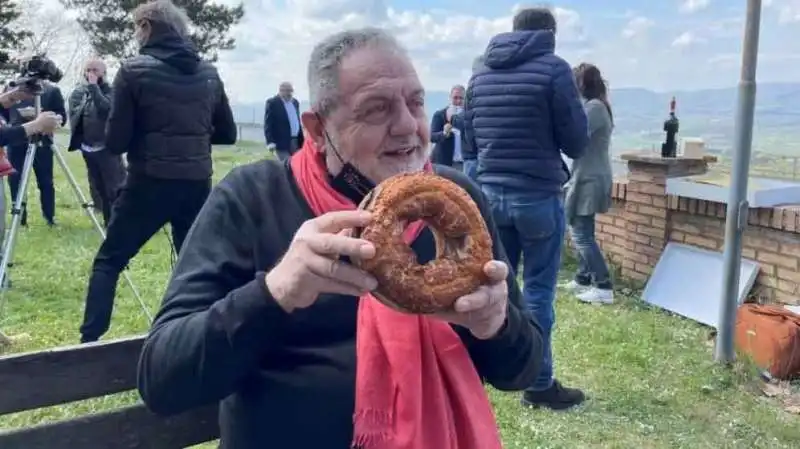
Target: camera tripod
{"x": 35, "y": 144}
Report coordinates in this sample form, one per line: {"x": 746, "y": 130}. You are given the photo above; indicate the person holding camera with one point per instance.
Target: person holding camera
{"x": 89, "y": 107}
{"x": 45, "y": 123}
{"x": 18, "y": 135}
{"x": 20, "y": 113}
{"x": 168, "y": 108}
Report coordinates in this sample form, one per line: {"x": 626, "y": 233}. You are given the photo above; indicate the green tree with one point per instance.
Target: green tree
{"x": 11, "y": 36}
{"x": 111, "y": 31}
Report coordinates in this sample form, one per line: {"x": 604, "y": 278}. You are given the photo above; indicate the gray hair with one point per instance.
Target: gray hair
{"x": 166, "y": 13}
{"x": 327, "y": 57}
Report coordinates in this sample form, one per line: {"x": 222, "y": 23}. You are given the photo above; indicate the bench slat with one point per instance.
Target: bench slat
{"x": 132, "y": 427}
{"x": 60, "y": 375}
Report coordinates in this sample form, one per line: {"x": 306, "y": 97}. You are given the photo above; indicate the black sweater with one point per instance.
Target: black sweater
{"x": 285, "y": 380}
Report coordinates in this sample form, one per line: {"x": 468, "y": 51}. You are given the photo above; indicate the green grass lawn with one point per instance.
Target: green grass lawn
{"x": 649, "y": 374}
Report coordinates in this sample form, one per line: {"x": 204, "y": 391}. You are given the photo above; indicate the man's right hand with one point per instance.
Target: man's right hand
{"x": 46, "y": 122}
{"x": 271, "y": 147}
{"x": 312, "y": 265}
{"x": 447, "y": 129}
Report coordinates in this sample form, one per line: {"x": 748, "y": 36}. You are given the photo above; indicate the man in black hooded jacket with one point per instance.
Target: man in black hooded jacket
{"x": 168, "y": 108}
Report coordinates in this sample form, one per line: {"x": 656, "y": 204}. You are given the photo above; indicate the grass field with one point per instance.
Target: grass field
{"x": 649, "y": 375}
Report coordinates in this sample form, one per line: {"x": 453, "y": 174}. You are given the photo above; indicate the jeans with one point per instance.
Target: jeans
{"x": 592, "y": 265}
{"x": 470, "y": 168}
{"x": 531, "y": 227}
{"x": 143, "y": 207}
{"x": 43, "y": 169}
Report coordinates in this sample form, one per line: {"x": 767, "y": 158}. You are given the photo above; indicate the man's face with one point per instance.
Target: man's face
{"x": 285, "y": 91}
{"x": 95, "y": 68}
{"x": 142, "y": 31}
{"x": 380, "y": 125}
{"x": 457, "y": 97}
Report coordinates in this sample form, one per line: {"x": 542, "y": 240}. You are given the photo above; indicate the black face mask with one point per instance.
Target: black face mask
{"x": 350, "y": 182}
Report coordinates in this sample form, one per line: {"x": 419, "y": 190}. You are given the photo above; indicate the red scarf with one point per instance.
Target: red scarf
{"x": 416, "y": 386}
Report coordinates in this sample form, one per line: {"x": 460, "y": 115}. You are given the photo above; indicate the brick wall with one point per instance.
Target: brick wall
{"x": 644, "y": 218}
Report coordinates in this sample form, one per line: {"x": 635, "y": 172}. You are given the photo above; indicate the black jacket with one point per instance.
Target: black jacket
{"x": 168, "y": 108}
{"x": 220, "y": 336}
{"x": 12, "y": 136}
{"x": 89, "y": 106}
{"x": 444, "y": 146}
{"x": 276, "y": 124}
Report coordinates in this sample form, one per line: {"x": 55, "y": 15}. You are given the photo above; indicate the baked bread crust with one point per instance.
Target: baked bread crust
{"x": 463, "y": 243}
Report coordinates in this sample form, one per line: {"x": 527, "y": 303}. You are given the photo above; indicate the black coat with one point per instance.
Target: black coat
{"x": 89, "y": 106}
{"x": 444, "y": 146}
{"x": 168, "y": 108}
{"x": 276, "y": 124}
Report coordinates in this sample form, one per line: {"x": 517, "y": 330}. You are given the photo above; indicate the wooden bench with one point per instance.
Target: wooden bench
{"x": 35, "y": 380}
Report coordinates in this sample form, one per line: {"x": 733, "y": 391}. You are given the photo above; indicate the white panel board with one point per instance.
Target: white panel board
{"x": 761, "y": 192}
{"x": 688, "y": 281}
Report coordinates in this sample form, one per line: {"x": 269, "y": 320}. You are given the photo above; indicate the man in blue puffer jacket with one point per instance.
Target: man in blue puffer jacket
{"x": 523, "y": 110}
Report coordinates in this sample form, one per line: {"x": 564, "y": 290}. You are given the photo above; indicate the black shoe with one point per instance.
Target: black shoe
{"x": 51, "y": 223}
{"x": 557, "y": 397}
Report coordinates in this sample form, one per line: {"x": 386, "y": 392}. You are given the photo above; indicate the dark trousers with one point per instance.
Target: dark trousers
{"x": 43, "y": 170}
{"x": 144, "y": 206}
{"x": 106, "y": 174}
{"x": 284, "y": 154}
{"x": 531, "y": 227}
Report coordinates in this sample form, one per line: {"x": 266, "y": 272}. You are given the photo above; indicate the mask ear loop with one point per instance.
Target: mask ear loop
{"x": 351, "y": 178}
{"x": 328, "y": 139}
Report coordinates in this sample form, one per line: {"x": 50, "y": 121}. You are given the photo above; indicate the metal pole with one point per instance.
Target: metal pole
{"x": 736, "y": 219}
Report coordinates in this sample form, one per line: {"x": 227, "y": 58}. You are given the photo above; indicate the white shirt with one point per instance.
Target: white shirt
{"x": 457, "y": 156}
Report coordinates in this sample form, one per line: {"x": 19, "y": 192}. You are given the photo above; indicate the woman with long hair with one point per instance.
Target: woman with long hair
{"x": 589, "y": 192}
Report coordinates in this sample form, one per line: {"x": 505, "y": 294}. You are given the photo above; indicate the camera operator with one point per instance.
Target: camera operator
{"x": 168, "y": 108}
{"x": 21, "y": 113}
{"x": 46, "y": 122}
{"x": 17, "y": 135}
{"x": 89, "y": 107}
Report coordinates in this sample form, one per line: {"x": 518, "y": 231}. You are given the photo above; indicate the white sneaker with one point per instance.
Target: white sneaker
{"x": 573, "y": 286}
{"x": 596, "y": 295}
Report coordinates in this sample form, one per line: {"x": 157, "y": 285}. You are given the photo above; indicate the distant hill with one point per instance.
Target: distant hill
{"x": 639, "y": 115}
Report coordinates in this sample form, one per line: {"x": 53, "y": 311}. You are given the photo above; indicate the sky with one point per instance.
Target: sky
{"x": 661, "y": 45}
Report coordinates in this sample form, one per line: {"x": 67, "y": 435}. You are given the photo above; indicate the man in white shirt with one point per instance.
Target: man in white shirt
{"x": 282, "y": 130}
{"x": 447, "y": 131}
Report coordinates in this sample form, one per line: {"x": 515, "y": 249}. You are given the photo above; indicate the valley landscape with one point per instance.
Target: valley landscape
{"x": 640, "y": 113}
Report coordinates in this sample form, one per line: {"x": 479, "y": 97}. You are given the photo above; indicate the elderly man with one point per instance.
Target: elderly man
{"x": 283, "y": 131}
{"x": 89, "y": 107}
{"x": 523, "y": 110}
{"x": 169, "y": 107}
{"x": 263, "y": 308}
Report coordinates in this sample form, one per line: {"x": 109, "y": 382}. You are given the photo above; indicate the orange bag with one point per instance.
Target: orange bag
{"x": 770, "y": 335}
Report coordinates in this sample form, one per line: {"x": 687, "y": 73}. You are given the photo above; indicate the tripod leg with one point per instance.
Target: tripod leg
{"x": 87, "y": 205}
{"x": 11, "y": 236}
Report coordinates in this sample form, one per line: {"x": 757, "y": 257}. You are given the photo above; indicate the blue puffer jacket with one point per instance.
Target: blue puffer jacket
{"x": 522, "y": 110}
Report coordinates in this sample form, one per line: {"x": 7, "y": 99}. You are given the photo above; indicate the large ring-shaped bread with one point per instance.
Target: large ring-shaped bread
{"x": 463, "y": 243}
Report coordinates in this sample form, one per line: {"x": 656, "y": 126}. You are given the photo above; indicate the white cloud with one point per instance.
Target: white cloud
{"x": 636, "y": 27}
{"x": 274, "y": 42}
{"x": 690, "y": 6}
{"x": 686, "y": 39}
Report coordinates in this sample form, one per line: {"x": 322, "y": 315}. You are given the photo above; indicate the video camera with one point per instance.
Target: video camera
{"x": 35, "y": 70}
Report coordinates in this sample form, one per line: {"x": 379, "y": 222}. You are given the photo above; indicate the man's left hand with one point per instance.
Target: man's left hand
{"x": 484, "y": 311}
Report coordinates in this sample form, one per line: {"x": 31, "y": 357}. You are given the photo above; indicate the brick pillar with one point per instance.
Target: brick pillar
{"x": 646, "y": 210}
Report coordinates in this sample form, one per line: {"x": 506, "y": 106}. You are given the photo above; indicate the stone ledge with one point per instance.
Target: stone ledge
{"x": 654, "y": 159}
